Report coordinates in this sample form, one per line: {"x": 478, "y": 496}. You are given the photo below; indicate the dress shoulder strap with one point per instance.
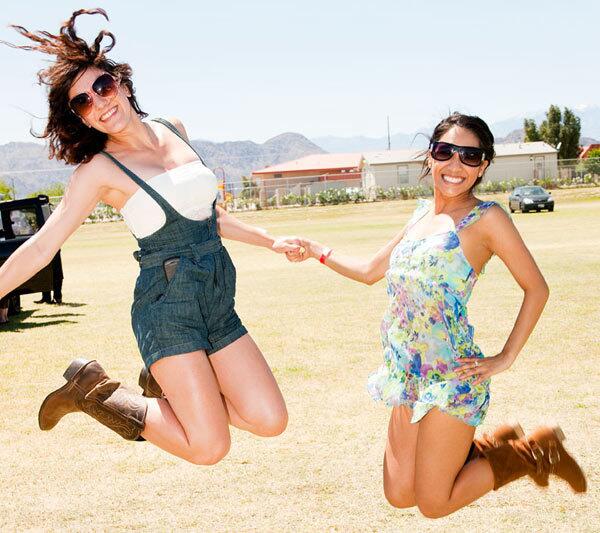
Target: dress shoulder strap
{"x": 475, "y": 214}
{"x": 422, "y": 208}
{"x": 170, "y": 126}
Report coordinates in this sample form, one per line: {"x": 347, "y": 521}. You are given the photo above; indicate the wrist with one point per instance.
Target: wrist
{"x": 315, "y": 249}
{"x": 508, "y": 356}
{"x": 267, "y": 240}
{"x": 325, "y": 253}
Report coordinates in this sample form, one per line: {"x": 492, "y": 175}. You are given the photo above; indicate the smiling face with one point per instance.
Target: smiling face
{"x": 109, "y": 114}
{"x": 453, "y": 178}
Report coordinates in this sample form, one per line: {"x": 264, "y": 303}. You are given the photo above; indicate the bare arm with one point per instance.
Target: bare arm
{"x": 230, "y": 227}
{"x": 368, "y": 271}
{"x": 504, "y": 240}
{"x": 507, "y": 244}
{"x": 80, "y": 198}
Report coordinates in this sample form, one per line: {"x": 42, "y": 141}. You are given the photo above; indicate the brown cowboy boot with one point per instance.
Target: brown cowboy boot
{"x": 541, "y": 453}
{"x": 501, "y": 435}
{"x": 556, "y": 460}
{"x": 89, "y": 389}
{"x": 150, "y": 388}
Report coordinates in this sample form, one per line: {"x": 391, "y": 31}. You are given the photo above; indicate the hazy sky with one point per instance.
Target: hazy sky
{"x": 254, "y": 69}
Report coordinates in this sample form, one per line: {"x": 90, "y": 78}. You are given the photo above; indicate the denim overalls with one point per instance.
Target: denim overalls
{"x": 195, "y": 309}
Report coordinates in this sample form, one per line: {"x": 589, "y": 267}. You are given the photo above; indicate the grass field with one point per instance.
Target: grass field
{"x": 319, "y": 332}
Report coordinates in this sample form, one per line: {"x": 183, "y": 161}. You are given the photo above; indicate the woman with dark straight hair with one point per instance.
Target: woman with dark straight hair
{"x": 434, "y": 375}
{"x": 202, "y": 371}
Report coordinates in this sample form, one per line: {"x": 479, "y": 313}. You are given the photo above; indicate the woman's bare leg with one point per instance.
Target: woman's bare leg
{"x": 192, "y": 423}
{"x": 251, "y": 394}
{"x": 443, "y": 483}
{"x": 399, "y": 459}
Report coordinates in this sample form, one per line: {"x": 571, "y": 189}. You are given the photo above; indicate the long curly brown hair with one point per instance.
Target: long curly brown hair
{"x": 69, "y": 139}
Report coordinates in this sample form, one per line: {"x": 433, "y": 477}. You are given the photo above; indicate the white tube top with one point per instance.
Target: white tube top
{"x": 190, "y": 189}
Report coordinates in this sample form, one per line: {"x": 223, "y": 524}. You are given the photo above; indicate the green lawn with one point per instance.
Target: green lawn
{"x": 320, "y": 334}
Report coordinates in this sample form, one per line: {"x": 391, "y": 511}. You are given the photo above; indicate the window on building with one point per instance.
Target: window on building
{"x": 278, "y": 175}
{"x": 402, "y": 173}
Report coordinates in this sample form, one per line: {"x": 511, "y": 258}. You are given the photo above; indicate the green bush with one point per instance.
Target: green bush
{"x": 104, "y": 213}
{"x": 592, "y": 162}
{"x": 500, "y": 186}
{"x": 403, "y": 193}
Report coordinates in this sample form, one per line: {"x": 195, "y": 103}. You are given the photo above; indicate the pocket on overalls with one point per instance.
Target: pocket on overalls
{"x": 181, "y": 286}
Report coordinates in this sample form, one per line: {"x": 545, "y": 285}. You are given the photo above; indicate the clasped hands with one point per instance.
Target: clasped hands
{"x": 296, "y": 249}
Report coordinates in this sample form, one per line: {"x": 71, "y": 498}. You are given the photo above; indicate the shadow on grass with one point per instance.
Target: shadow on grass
{"x": 17, "y": 322}
{"x": 67, "y": 304}
{"x": 59, "y": 315}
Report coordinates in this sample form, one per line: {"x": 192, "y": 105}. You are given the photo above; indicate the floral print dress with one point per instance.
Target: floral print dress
{"x": 425, "y": 329}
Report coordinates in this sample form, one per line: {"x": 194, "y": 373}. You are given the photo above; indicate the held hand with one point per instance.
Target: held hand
{"x": 306, "y": 249}
{"x": 286, "y": 245}
{"x": 482, "y": 368}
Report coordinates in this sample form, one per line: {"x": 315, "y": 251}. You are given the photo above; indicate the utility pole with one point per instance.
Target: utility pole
{"x": 389, "y": 139}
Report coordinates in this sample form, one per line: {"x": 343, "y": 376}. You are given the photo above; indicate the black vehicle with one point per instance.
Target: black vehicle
{"x": 530, "y": 198}
{"x": 19, "y": 220}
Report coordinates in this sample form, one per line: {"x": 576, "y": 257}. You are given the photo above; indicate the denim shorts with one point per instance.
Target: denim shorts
{"x": 192, "y": 311}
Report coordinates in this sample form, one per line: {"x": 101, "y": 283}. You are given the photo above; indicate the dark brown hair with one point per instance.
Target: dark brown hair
{"x": 69, "y": 139}
{"x": 472, "y": 123}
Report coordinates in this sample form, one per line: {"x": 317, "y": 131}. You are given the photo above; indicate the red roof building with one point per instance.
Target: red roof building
{"x": 586, "y": 149}
{"x": 316, "y": 167}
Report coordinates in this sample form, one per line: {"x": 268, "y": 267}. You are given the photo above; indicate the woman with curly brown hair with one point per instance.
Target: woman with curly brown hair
{"x": 202, "y": 370}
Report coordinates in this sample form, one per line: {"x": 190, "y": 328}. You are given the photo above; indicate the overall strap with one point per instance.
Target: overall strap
{"x": 169, "y": 211}
{"x": 474, "y": 215}
{"x": 176, "y": 132}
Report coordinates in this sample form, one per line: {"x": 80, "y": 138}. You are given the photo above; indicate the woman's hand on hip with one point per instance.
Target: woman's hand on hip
{"x": 482, "y": 368}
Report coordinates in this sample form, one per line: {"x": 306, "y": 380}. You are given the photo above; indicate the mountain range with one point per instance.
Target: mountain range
{"x": 26, "y": 166}
{"x": 505, "y": 131}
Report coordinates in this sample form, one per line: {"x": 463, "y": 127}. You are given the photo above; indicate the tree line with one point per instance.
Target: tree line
{"x": 7, "y": 192}
{"x": 562, "y": 130}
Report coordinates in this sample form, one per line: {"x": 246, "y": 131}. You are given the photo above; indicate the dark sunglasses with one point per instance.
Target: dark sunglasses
{"x": 104, "y": 86}
{"x": 468, "y": 155}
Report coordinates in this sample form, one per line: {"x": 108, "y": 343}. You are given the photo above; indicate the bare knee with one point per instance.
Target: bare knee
{"x": 400, "y": 500}
{"x": 209, "y": 452}
{"x": 432, "y": 507}
{"x": 400, "y": 495}
{"x": 271, "y": 422}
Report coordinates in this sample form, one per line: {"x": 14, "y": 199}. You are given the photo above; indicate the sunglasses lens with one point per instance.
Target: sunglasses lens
{"x": 105, "y": 85}
{"x": 441, "y": 151}
{"x": 471, "y": 156}
{"x": 81, "y": 104}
